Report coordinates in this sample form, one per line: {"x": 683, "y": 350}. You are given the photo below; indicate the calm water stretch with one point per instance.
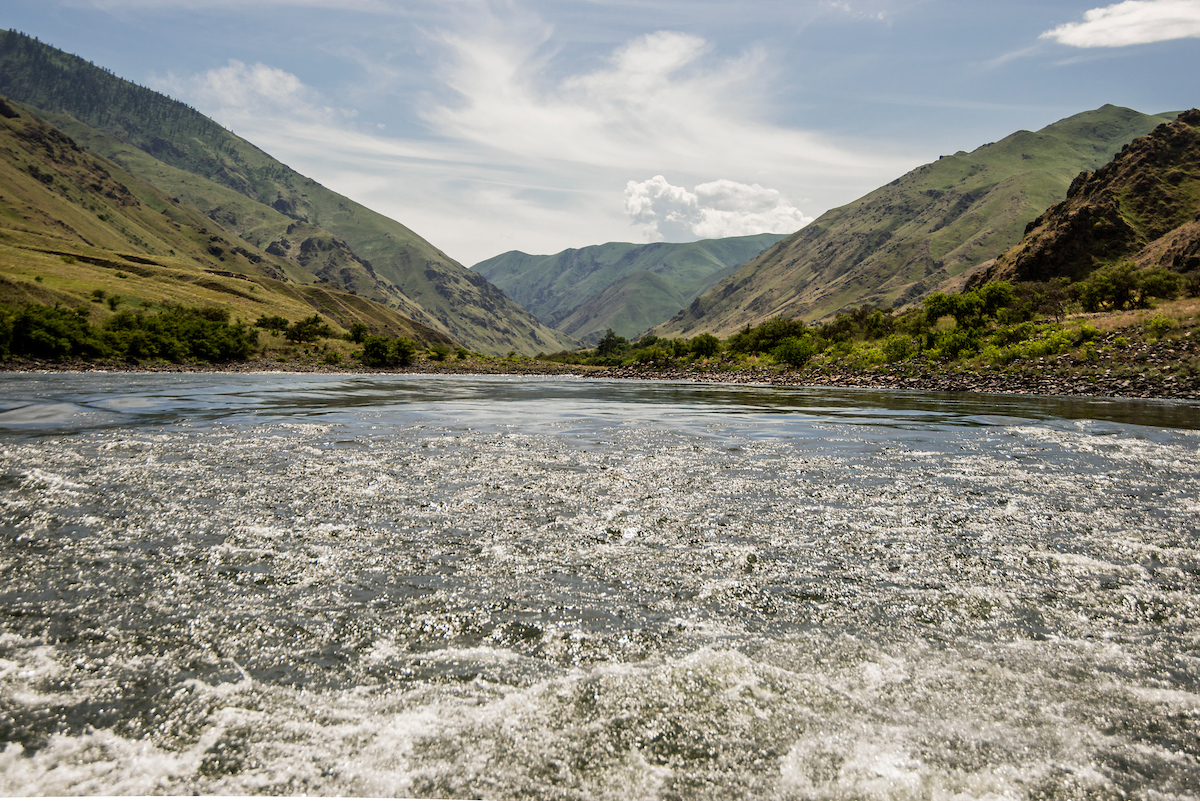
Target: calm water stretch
{"x": 556, "y": 588}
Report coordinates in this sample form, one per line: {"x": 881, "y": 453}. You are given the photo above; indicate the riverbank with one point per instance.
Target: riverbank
{"x": 1151, "y": 374}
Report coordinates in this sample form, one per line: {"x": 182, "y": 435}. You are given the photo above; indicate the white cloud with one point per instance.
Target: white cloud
{"x": 659, "y": 102}
{"x": 1131, "y": 23}
{"x": 239, "y": 93}
{"x": 711, "y": 211}
{"x": 373, "y": 6}
{"x": 517, "y": 152}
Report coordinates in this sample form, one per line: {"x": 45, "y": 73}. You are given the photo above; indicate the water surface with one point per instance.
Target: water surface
{"x": 563, "y": 588}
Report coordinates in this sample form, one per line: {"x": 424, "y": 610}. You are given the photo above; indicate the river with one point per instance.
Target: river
{"x": 497, "y": 587}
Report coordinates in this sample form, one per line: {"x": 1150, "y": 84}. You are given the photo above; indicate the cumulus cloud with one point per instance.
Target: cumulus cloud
{"x": 710, "y": 211}
{"x": 1131, "y": 23}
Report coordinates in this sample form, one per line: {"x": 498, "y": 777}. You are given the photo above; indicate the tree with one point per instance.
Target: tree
{"x": 705, "y": 345}
{"x": 273, "y": 323}
{"x": 610, "y": 344}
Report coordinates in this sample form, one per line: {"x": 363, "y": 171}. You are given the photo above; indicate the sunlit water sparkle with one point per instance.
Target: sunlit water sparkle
{"x": 560, "y": 588}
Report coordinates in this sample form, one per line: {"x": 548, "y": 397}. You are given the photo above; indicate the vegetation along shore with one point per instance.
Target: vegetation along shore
{"x": 996, "y": 338}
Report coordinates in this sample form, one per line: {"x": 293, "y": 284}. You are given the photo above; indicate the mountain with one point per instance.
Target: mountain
{"x": 73, "y": 224}
{"x": 629, "y": 288}
{"x": 914, "y": 235}
{"x": 191, "y": 157}
{"x": 1144, "y": 206}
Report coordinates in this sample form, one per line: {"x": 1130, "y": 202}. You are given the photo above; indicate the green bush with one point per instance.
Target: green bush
{"x": 273, "y": 323}
{"x": 177, "y": 334}
{"x": 180, "y": 333}
{"x": 705, "y": 346}
{"x": 383, "y": 352}
{"x": 958, "y": 343}
{"x": 310, "y": 329}
{"x": 375, "y": 351}
{"x": 1157, "y": 325}
{"x": 45, "y": 332}
{"x": 898, "y": 347}
{"x": 765, "y": 337}
{"x": 795, "y": 351}
{"x": 1122, "y": 285}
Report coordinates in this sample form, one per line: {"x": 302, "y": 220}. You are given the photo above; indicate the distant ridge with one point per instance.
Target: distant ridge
{"x": 339, "y": 239}
{"x": 918, "y": 233}
{"x": 626, "y": 287}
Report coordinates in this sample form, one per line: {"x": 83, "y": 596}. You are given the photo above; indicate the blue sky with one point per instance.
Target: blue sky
{"x": 537, "y": 126}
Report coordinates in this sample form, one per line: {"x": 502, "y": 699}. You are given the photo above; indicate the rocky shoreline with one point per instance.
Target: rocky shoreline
{"x": 1055, "y": 379}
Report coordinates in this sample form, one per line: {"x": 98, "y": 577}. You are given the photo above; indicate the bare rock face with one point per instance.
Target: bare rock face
{"x": 1144, "y": 205}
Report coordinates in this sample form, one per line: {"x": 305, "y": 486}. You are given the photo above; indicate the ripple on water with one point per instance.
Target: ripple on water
{"x": 621, "y": 611}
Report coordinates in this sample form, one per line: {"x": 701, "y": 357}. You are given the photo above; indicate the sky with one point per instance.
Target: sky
{"x": 539, "y": 125}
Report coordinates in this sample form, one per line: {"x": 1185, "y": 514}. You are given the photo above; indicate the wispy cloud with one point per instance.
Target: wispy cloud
{"x": 662, "y": 102}
{"x": 710, "y": 211}
{"x": 238, "y": 91}
{"x": 374, "y": 6}
{"x": 1133, "y": 22}
{"x": 537, "y": 156}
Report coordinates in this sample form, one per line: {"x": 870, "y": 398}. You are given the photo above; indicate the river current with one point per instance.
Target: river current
{"x": 511, "y": 588}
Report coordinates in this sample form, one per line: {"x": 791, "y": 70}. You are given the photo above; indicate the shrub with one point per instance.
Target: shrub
{"x": 401, "y": 351}
{"x": 1158, "y": 325}
{"x": 957, "y": 343}
{"x": 180, "y": 333}
{"x": 375, "y": 351}
{"x": 898, "y": 347}
{"x": 438, "y": 352}
{"x": 380, "y": 351}
{"x": 273, "y": 323}
{"x": 358, "y": 332}
{"x": 310, "y": 329}
{"x": 1122, "y": 285}
{"x": 795, "y": 351}
{"x": 54, "y": 333}
{"x": 765, "y": 337}
{"x": 1191, "y": 283}
{"x": 705, "y": 346}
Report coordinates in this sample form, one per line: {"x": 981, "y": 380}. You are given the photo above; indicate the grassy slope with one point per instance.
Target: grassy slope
{"x": 904, "y": 240}
{"x": 1144, "y": 205}
{"x": 411, "y": 271}
{"x": 72, "y": 223}
{"x": 586, "y": 290}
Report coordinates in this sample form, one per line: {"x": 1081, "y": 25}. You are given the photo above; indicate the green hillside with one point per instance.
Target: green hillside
{"x": 918, "y": 233}
{"x": 347, "y": 243}
{"x": 629, "y": 288}
{"x": 75, "y": 227}
{"x": 1143, "y": 206}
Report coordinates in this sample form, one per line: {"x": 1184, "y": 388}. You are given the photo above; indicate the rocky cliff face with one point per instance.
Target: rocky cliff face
{"x": 1144, "y": 206}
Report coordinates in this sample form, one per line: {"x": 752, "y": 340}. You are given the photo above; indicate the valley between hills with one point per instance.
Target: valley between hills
{"x": 135, "y": 233}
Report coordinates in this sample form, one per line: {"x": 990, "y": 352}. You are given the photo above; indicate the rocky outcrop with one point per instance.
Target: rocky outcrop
{"x": 1144, "y": 206}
